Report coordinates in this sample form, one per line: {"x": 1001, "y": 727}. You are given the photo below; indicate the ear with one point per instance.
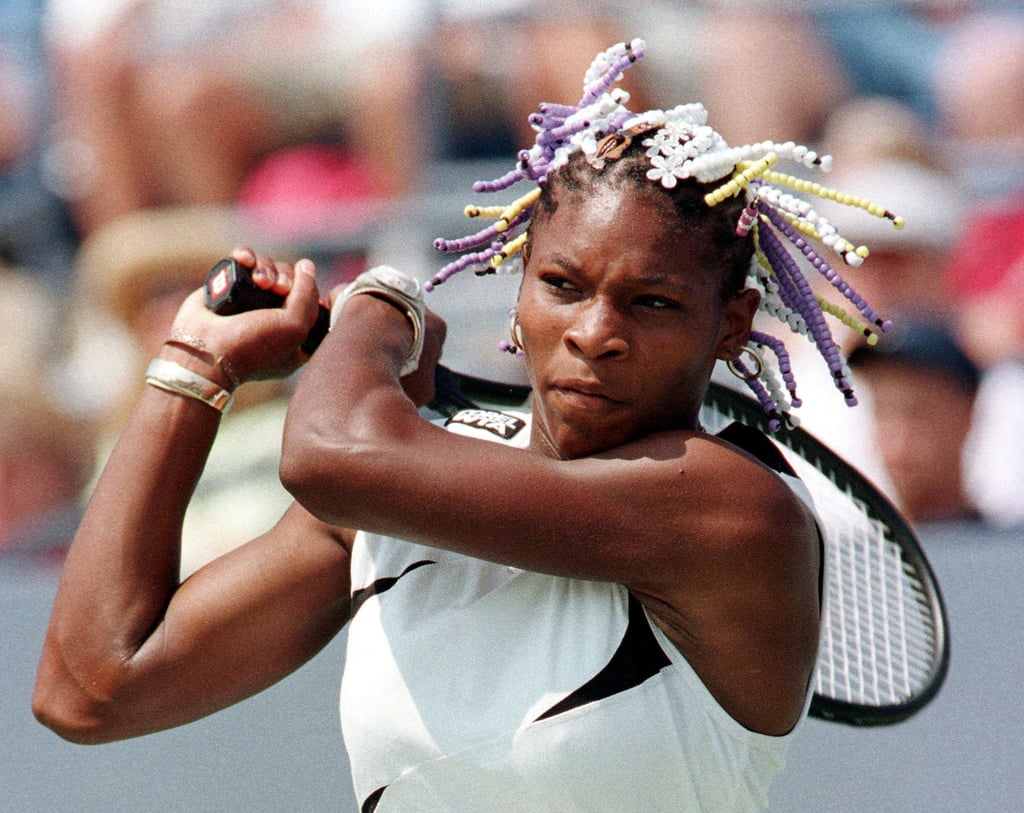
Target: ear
{"x": 737, "y": 320}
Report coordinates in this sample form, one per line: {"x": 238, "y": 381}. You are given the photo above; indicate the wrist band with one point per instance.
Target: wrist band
{"x": 400, "y": 290}
{"x": 171, "y": 377}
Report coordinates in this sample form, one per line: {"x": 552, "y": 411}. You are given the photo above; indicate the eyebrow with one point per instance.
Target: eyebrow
{"x": 565, "y": 263}
{"x": 644, "y": 277}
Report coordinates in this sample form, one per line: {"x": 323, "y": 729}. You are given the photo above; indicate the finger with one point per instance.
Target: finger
{"x": 305, "y": 268}
{"x": 273, "y": 275}
{"x": 304, "y": 293}
{"x": 304, "y": 298}
{"x": 244, "y": 255}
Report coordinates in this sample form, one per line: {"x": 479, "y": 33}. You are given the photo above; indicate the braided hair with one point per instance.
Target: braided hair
{"x": 752, "y": 216}
{"x": 715, "y": 227}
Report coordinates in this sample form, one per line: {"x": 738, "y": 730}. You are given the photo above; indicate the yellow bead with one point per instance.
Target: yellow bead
{"x": 483, "y": 211}
{"x": 899, "y": 222}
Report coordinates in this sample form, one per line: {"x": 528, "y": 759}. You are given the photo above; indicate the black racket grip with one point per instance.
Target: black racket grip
{"x": 230, "y": 290}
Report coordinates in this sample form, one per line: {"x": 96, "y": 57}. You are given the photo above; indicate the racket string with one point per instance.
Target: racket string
{"x": 877, "y": 647}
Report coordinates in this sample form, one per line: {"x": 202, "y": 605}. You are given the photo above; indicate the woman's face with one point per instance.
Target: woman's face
{"x": 621, "y": 323}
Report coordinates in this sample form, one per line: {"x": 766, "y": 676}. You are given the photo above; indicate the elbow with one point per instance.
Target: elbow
{"x": 325, "y": 478}
{"x": 67, "y": 727}
{"x": 302, "y": 478}
{"x": 65, "y": 706}
{"x": 63, "y": 713}
{"x": 292, "y": 473}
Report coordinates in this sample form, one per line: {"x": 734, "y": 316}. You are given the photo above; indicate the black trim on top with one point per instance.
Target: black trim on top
{"x": 360, "y": 596}
{"x": 638, "y": 658}
{"x": 371, "y": 801}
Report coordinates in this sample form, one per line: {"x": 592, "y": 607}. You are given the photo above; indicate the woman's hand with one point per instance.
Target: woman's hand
{"x": 257, "y": 344}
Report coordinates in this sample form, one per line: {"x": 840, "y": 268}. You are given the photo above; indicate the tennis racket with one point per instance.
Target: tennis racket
{"x": 885, "y": 651}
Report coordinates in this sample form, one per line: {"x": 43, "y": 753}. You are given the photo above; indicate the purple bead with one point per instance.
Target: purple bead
{"x": 561, "y": 111}
{"x": 611, "y": 76}
{"x": 504, "y": 182}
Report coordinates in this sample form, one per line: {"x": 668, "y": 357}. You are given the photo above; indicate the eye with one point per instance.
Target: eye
{"x": 558, "y": 282}
{"x": 656, "y": 303}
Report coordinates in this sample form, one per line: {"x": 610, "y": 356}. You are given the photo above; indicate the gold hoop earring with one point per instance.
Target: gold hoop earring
{"x": 515, "y": 332}
{"x": 739, "y": 370}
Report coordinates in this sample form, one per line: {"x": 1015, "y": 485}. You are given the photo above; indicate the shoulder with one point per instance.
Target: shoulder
{"x": 732, "y": 517}
{"x": 735, "y": 471}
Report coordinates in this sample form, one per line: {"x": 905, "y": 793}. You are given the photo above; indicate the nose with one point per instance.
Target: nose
{"x": 597, "y": 331}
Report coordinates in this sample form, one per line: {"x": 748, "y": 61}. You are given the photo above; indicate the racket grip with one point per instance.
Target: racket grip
{"x": 230, "y": 290}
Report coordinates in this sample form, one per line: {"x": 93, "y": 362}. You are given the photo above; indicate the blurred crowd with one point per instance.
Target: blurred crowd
{"x": 141, "y": 139}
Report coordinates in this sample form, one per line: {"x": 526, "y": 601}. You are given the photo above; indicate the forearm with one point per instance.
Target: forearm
{"x": 349, "y": 409}
{"x": 124, "y": 560}
{"x": 122, "y": 567}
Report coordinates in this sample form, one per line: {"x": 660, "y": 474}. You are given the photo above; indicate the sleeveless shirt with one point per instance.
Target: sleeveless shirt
{"x": 471, "y": 686}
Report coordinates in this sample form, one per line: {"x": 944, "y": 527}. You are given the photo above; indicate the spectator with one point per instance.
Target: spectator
{"x": 46, "y": 453}
{"x": 987, "y": 271}
{"x": 482, "y": 51}
{"x": 132, "y": 276}
{"x": 978, "y": 81}
{"x": 36, "y": 230}
{"x": 923, "y": 389}
{"x": 781, "y": 58}
{"x": 174, "y": 102}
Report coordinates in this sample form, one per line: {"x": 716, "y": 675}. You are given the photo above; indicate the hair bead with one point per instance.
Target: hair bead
{"x": 483, "y": 211}
{"x": 510, "y": 248}
{"x": 740, "y": 180}
{"x": 681, "y": 146}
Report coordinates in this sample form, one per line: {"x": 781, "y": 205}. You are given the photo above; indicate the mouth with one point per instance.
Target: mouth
{"x": 584, "y": 393}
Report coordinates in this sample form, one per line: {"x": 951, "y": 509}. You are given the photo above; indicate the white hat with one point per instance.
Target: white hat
{"x": 932, "y": 205}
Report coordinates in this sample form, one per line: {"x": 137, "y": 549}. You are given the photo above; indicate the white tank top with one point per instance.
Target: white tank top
{"x": 476, "y": 687}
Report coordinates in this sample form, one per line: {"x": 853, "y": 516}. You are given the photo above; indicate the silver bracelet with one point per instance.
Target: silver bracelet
{"x": 400, "y": 290}
{"x": 171, "y": 377}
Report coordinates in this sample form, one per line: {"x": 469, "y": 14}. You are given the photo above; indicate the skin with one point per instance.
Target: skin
{"x": 621, "y": 330}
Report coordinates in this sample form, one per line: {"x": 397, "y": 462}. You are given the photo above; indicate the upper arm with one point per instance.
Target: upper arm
{"x": 655, "y": 509}
{"x": 236, "y": 626}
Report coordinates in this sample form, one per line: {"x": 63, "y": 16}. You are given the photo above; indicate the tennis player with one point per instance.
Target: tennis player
{"x": 595, "y": 607}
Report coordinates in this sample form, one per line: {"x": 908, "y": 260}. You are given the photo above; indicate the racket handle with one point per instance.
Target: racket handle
{"x": 230, "y": 290}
